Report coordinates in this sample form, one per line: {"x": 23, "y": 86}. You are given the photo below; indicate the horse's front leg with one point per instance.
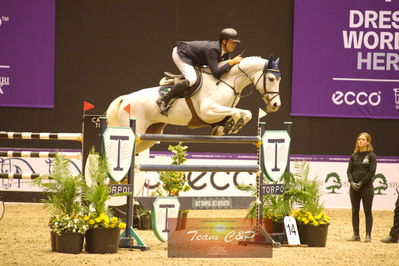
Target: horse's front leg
{"x": 219, "y": 112}
{"x": 246, "y": 115}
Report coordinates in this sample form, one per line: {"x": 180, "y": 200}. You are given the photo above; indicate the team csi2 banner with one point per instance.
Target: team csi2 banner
{"x": 346, "y": 59}
{"x": 27, "y": 53}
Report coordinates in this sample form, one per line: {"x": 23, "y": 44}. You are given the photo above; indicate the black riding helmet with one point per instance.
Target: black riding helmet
{"x": 229, "y": 34}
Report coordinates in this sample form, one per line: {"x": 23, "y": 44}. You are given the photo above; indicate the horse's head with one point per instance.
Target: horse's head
{"x": 268, "y": 84}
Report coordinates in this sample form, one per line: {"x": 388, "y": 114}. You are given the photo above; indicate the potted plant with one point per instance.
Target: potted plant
{"x": 311, "y": 219}
{"x": 175, "y": 182}
{"x": 145, "y": 219}
{"x": 64, "y": 204}
{"x": 70, "y": 231}
{"x": 275, "y": 207}
{"x": 104, "y": 229}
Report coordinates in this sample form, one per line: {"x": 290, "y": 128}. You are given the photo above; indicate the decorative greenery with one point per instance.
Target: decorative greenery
{"x": 299, "y": 191}
{"x": 276, "y": 207}
{"x": 66, "y": 223}
{"x": 174, "y": 182}
{"x": 312, "y": 209}
{"x": 95, "y": 221}
{"x": 97, "y": 193}
{"x": 64, "y": 190}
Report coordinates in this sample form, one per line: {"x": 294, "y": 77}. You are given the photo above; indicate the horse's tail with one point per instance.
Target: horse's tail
{"x": 113, "y": 111}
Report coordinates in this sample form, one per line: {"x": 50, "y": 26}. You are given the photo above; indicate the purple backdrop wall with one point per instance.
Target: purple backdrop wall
{"x": 27, "y": 53}
{"x": 346, "y": 59}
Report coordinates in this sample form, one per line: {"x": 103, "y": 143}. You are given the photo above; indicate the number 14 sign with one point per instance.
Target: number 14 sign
{"x": 291, "y": 230}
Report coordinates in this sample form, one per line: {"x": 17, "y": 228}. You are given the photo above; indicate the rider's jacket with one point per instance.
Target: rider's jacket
{"x": 199, "y": 53}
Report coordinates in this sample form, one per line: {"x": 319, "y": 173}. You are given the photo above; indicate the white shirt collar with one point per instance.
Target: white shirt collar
{"x": 223, "y": 50}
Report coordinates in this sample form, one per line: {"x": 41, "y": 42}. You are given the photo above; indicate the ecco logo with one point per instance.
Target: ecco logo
{"x": 360, "y": 98}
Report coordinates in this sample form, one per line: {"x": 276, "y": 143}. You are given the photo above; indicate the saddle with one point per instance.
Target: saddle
{"x": 169, "y": 79}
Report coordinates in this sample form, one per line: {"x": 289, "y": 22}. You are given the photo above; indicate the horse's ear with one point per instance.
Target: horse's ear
{"x": 276, "y": 62}
{"x": 270, "y": 61}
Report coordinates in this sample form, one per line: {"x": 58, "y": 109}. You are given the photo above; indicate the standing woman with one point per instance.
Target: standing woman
{"x": 361, "y": 169}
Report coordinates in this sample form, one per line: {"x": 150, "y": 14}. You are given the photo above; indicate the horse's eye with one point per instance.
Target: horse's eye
{"x": 271, "y": 79}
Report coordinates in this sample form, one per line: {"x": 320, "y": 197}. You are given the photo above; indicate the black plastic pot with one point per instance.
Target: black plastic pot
{"x": 69, "y": 242}
{"x": 313, "y": 236}
{"x": 53, "y": 238}
{"x": 102, "y": 240}
{"x": 145, "y": 222}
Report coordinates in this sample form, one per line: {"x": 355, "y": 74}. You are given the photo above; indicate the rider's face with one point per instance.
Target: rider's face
{"x": 230, "y": 45}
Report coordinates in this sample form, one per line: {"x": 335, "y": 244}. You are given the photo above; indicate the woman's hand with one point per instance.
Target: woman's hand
{"x": 355, "y": 186}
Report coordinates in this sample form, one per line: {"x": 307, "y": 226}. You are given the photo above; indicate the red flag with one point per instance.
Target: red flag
{"x": 87, "y": 106}
{"x": 127, "y": 108}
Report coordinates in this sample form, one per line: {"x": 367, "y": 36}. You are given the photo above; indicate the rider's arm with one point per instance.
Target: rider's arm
{"x": 217, "y": 71}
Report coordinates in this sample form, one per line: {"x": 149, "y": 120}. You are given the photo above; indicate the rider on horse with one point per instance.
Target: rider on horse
{"x": 188, "y": 54}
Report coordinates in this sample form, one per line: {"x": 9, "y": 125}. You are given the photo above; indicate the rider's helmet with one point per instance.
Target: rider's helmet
{"x": 229, "y": 34}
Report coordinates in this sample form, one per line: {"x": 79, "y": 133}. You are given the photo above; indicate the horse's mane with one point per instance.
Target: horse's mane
{"x": 253, "y": 60}
{"x": 249, "y": 60}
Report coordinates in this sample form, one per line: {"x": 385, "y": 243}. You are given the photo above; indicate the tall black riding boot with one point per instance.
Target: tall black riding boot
{"x": 179, "y": 86}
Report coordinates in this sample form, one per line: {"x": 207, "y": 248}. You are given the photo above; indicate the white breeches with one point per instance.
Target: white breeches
{"x": 187, "y": 70}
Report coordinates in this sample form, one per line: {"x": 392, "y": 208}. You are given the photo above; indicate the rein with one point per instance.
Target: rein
{"x": 265, "y": 92}
{"x": 238, "y": 94}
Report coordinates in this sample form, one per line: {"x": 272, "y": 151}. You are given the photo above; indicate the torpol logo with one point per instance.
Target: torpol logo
{"x": 360, "y": 98}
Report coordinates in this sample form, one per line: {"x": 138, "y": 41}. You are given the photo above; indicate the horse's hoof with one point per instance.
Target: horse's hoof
{"x": 238, "y": 125}
{"x": 217, "y": 131}
{"x": 228, "y": 126}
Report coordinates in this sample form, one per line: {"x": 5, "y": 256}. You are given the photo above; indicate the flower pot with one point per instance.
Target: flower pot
{"x": 69, "y": 242}
{"x": 278, "y": 232}
{"x": 278, "y": 227}
{"x": 102, "y": 240}
{"x": 145, "y": 222}
{"x": 53, "y": 237}
{"x": 136, "y": 221}
{"x": 313, "y": 236}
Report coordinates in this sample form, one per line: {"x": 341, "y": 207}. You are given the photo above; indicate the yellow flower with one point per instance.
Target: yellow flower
{"x": 315, "y": 223}
{"x": 98, "y": 220}
{"x": 86, "y": 218}
{"x": 91, "y": 222}
{"x": 114, "y": 219}
{"x": 122, "y": 226}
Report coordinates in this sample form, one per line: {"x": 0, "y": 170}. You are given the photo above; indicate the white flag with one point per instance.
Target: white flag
{"x": 261, "y": 113}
